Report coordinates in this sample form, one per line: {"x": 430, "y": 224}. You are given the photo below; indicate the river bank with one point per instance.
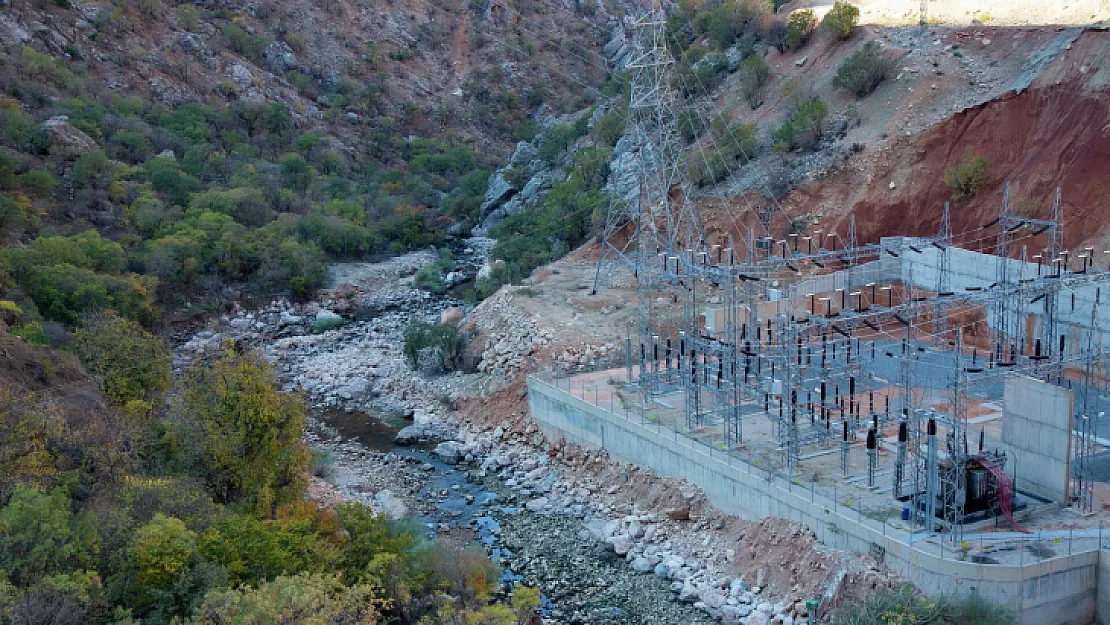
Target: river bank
{"x": 605, "y": 543}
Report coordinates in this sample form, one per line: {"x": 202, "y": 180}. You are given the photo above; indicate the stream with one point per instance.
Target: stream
{"x": 498, "y": 492}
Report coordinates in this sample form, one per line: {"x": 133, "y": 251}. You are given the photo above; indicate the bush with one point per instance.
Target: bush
{"x": 775, "y": 35}
{"x": 129, "y": 363}
{"x": 753, "y": 79}
{"x": 187, "y": 16}
{"x": 430, "y": 276}
{"x": 297, "y": 599}
{"x": 39, "y": 183}
{"x": 906, "y": 605}
{"x": 40, "y": 536}
{"x": 863, "y": 70}
{"x": 805, "y": 127}
{"x": 608, "y": 130}
{"x": 247, "y": 433}
{"x": 442, "y": 338}
{"x": 557, "y": 140}
{"x": 737, "y": 141}
{"x": 967, "y": 177}
{"x": 841, "y": 20}
{"x": 244, "y": 43}
{"x": 724, "y": 23}
{"x": 799, "y": 28}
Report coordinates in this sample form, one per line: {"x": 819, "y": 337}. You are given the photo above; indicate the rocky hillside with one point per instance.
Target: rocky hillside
{"x": 1032, "y": 100}
{"x": 479, "y": 69}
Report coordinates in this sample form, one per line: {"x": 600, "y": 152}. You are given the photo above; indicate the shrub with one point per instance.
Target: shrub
{"x": 248, "y": 433}
{"x": 557, "y": 140}
{"x": 690, "y": 124}
{"x": 430, "y": 276}
{"x": 863, "y": 70}
{"x": 244, "y": 43}
{"x": 775, "y": 35}
{"x": 737, "y": 141}
{"x": 93, "y": 170}
{"x": 728, "y": 20}
{"x": 753, "y": 79}
{"x": 906, "y": 605}
{"x": 967, "y": 177}
{"x": 39, "y": 183}
{"x": 297, "y": 599}
{"x": 805, "y": 127}
{"x": 442, "y": 338}
{"x": 841, "y": 20}
{"x": 187, "y": 16}
{"x": 17, "y": 214}
{"x": 608, "y": 130}
{"x": 799, "y": 28}
{"x": 40, "y": 536}
{"x": 129, "y": 363}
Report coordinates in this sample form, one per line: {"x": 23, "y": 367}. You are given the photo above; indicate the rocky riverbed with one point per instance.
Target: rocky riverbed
{"x": 564, "y": 519}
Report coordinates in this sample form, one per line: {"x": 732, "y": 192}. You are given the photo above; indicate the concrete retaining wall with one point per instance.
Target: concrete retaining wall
{"x": 1062, "y": 590}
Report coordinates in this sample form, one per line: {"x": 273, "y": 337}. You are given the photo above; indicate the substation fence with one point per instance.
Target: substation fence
{"x": 982, "y": 548}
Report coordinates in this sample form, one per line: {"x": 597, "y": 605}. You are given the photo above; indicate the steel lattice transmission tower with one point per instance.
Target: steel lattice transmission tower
{"x": 662, "y": 218}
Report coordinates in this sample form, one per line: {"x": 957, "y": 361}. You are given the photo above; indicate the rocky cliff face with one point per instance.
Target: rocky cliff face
{"x": 479, "y": 69}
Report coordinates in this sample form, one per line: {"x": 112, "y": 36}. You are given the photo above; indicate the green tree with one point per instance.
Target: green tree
{"x": 753, "y": 79}
{"x": 302, "y": 599}
{"x": 841, "y": 20}
{"x": 253, "y": 550}
{"x": 161, "y": 551}
{"x": 250, "y": 446}
{"x": 39, "y": 183}
{"x": 130, "y": 364}
{"x": 799, "y": 27}
{"x": 40, "y": 536}
{"x": 296, "y": 173}
{"x": 863, "y": 70}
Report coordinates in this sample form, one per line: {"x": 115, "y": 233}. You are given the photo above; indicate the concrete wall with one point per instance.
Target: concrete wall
{"x": 1102, "y": 612}
{"x": 973, "y": 269}
{"x": 1062, "y": 590}
{"x": 1037, "y": 430}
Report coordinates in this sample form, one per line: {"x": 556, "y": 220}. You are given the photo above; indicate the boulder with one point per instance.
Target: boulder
{"x": 539, "y": 504}
{"x": 326, "y": 320}
{"x": 390, "y": 505}
{"x": 678, "y": 514}
{"x": 642, "y": 565}
{"x": 451, "y": 452}
{"x": 241, "y": 76}
{"x": 452, "y": 315}
{"x": 622, "y": 544}
{"x": 524, "y": 154}
{"x": 535, "y": 186}
{"x": 689, "y": 593}
{"x": 497, "y": 193}
{"x": 489, "y": 267}
{"x": 67, "y": 141}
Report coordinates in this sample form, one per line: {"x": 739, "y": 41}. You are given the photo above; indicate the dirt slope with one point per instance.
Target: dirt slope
{"x": 1054, "y": 133}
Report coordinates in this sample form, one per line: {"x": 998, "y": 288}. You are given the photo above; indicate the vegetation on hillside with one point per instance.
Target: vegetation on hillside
{"x": 864, "y": 70}
{"x": 841, "y": 19}
{"x": 195, "y": 511}
{"x": 906, "y": 605}
{"x": 966, "y": 177}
